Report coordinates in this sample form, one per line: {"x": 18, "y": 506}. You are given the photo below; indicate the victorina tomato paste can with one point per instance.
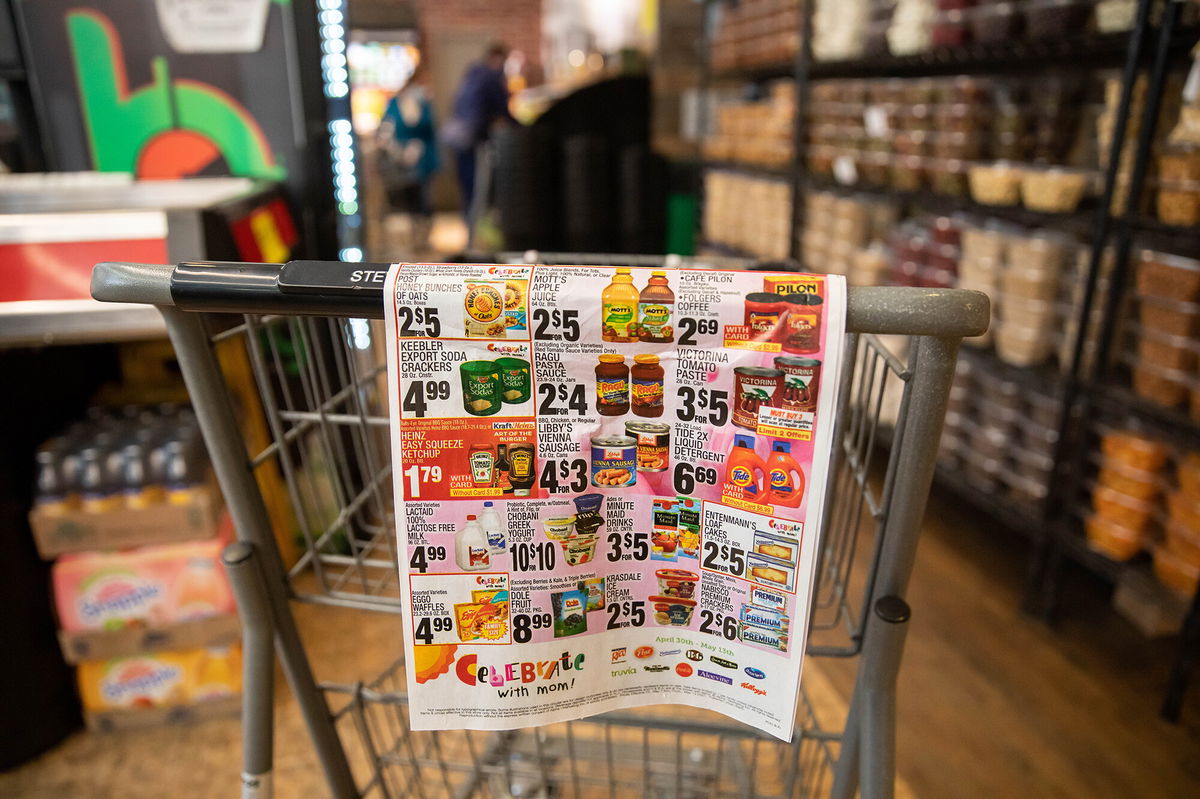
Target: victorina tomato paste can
{"x": 754, "y": 387}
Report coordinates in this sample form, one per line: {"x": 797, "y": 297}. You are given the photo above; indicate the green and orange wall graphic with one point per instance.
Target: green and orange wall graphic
{"x": 167, "y": 128}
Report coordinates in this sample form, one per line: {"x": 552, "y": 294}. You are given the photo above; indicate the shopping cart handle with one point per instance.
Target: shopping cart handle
{"x": 331, "y": 288}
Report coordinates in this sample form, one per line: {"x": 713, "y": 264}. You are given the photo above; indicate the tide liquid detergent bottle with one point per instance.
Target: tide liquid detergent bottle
{"x": 471, "y": 550}
{"x": 745, "y": 472}
{"x": 493, "y": 528}
{"x": 785, "y": 480}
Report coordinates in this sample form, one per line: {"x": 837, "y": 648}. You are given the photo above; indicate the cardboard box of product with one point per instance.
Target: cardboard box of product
{"x": 145, "y": 599}
{"x": 137, "y": 718}
{"x": 163, "y": 681}
{"x": 57, "y": 532}
{"x": 102, "y": 644}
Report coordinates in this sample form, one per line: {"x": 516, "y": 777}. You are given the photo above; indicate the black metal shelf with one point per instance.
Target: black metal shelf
{"x": 1087, "y": 52}
{"x": 1044, "y": 378}
{"x": 782, "y": 172}
{"x": 1161, "y": 236}
{"x": 756, "y": 74}
{"x": 1009, "y": 514}
{"x": 1074, "y": 545}
{"x": 728, "y": 251}
{"x": 1080, "y": 220}
{"x": 1118, "y": 400}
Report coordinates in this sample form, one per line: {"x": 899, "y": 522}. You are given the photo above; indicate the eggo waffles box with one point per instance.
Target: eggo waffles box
{"x": 146, "y": 586}
{"x": 162, "y": 679}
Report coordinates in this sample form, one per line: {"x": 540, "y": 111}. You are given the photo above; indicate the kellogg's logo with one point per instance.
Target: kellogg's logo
{"x": 117, "y": 597}
{"x": 643, "y": 652}
{"x": 754, "y": 689}
{"x": 142, "y": 678}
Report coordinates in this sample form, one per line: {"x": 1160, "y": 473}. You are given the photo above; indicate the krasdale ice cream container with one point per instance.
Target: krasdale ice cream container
{"x": 677, "y": 583}
{"x": 672, "y": 611}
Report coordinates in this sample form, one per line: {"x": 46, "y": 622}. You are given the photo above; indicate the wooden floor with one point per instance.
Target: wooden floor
{"x": 991, "y": 704}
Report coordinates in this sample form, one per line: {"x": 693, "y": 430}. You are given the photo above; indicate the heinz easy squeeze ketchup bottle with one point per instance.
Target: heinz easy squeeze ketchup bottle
{"x": 744, "y": 470}
{"x": 785, "y": 480}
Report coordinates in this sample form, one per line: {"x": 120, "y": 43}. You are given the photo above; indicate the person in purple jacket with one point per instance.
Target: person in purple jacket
{"x": 480, "y": 104}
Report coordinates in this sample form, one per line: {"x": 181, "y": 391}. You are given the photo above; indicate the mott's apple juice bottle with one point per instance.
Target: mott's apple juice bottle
{"x": 655, "y": 305}
{"x": 619, "y": 308}
{"x": 785, "y": 480}
{"x": 745, "y": 472}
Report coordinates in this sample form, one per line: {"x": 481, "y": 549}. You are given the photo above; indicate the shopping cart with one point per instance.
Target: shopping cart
{"x": 304, "y": 332}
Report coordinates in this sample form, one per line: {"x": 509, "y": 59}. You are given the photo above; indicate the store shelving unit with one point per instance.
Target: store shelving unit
{"x": 1154, "y": 44}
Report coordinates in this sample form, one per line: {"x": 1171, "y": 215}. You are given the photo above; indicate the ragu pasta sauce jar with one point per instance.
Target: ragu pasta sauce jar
{"x": 612, "y": 385}
{"x": 802, "y": 326}
{"x": 763, "y": 311}
{"x": 647, "y": 390}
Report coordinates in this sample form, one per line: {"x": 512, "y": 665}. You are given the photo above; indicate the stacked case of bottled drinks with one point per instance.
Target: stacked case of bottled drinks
{"x": 126, "y": 506}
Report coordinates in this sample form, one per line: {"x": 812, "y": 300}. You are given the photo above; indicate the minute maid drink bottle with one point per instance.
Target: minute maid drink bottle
{"x": 785, "y": 480}
{"x": 745, "y": 472}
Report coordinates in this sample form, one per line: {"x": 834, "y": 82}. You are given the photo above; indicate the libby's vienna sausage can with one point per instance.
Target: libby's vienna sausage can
{"x": 614, "y": 461}
{"x": 653, "y": 445}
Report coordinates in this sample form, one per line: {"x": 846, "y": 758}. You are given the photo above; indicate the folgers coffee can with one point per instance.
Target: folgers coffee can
{"x": 763, "y": 312}
{"x": 653, "y": 445}
{"x": 801, "y": 380}
{"x": 754, "y": 387}
{"x": 614, "y": 461}
{"x": 802, "y": 329}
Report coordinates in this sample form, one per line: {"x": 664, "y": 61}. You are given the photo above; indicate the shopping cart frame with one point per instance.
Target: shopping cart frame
{"x": 935, "y": 321}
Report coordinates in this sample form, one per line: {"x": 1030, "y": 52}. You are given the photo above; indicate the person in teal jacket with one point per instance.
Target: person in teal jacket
{"x": 409, "y": 156}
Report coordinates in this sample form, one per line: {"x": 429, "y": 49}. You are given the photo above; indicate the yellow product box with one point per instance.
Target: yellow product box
{"x": 161, "y": 679}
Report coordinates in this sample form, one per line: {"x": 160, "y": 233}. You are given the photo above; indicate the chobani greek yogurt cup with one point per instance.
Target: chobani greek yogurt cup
{"x": 579, "y": 550}
{"x": 559, "y": 528}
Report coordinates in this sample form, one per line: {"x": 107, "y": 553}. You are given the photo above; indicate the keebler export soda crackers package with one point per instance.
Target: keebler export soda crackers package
{"x": 153, "y": 585}
{"x": 161, "y": 679}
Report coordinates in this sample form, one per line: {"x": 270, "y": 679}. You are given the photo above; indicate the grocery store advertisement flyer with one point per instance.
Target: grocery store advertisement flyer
{"x": 609, "y": 486}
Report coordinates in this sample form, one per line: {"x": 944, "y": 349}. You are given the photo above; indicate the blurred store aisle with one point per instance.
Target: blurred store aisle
{"x": 394, "y": 239}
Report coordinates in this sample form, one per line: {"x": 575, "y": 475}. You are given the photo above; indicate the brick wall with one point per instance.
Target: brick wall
{"x": 517, "y": 23}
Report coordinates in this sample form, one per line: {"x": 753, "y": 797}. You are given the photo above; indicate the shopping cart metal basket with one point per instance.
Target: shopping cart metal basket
{"x": 307, "y": 344}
